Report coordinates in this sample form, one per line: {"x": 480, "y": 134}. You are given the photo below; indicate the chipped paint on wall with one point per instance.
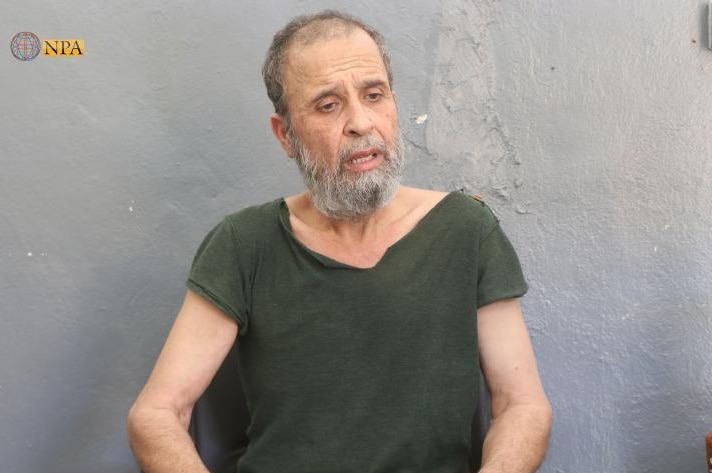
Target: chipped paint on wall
{"x": 465, "y": 128}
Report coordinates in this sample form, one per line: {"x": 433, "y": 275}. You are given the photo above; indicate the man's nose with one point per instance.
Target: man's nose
{"x": 359, "y": 122}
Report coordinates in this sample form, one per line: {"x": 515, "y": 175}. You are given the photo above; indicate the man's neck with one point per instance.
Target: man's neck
{"x": 360, "y": 242}
{"x": 357, "y": 229}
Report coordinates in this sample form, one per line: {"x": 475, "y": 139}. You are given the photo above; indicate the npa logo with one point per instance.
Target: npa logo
{"x": 26, "y": 46}
{"x": 63, "y": 47}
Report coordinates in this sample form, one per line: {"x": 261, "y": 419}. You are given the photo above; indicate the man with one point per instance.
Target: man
{"x": 362, "y": 306}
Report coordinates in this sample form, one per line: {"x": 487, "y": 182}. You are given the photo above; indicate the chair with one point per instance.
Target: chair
{"x": 220, "y": 419}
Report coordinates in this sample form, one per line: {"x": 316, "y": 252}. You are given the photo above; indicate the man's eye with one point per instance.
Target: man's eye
{"x": 374, "y": 96}
{"x": 328, "y": 107}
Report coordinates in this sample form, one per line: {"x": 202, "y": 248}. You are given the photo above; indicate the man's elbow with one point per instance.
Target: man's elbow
{"x": 547, "y": 417}
{"x": 136, "y": 421}
{"x": 541, "y": 410}
{"x": 535, "y": 411}
{"x": 145, "y": 420}
{"x": 540, "y": 418}
{"x": 536, "y": 418}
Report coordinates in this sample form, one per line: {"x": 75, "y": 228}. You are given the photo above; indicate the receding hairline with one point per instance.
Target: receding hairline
{"x": 303, "y": 31}
{"x": 320, "y": 30}
{"x": 339, "y": 30}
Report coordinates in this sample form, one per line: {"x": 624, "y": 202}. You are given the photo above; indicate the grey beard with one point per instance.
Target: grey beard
{"x": 342, "y": 195}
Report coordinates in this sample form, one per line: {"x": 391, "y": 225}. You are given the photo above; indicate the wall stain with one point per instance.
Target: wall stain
{"x": 463, "y": 120}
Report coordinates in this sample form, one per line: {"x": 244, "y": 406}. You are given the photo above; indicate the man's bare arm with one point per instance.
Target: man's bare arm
{"x": 519, "y": 435}
{"x": 158, "y": 421}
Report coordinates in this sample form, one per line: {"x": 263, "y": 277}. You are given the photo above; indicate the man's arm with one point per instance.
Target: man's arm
{"x": 201, "y": 337}
{"x": 519, "y": 434}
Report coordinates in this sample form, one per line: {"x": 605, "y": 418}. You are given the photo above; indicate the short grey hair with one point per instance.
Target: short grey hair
{"x": 307, "y": 29}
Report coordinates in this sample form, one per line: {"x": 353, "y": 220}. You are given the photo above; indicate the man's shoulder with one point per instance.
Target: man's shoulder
{"x": 255, "y": 221}
{"x": 422, "y": 196}
{"x": 459, "y": 203}
{"x": 256, "y": 211}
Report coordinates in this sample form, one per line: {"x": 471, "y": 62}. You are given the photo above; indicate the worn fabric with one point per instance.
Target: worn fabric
{"x": 358, "y": 370}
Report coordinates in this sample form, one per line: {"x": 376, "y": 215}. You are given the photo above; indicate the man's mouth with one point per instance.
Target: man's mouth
{"x": 363, "y": 156}
{"x": 362, "y": 160}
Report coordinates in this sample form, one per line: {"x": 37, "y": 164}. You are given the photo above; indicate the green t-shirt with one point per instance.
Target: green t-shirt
{"x": 349, "y": 370}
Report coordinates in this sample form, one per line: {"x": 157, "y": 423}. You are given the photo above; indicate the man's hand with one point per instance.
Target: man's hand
{"x": 519, "y": 434}
{"x": 158, "y": 422}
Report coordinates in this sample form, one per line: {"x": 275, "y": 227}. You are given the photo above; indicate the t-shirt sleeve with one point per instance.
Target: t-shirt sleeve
{"x": 218, "y": 274}
{"x": 499, "y": 274}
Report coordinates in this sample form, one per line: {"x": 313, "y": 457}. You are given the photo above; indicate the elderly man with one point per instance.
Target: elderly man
{"x": 362, "y": 307}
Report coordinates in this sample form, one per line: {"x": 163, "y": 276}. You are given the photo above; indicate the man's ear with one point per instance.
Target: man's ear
{"x": 279, "y": 128}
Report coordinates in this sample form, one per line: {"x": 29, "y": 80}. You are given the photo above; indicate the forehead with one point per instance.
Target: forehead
{"x": 327, "y": 60}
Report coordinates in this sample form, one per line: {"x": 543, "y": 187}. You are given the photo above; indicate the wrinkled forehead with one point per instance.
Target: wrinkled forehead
{"x": 319, "y": 60}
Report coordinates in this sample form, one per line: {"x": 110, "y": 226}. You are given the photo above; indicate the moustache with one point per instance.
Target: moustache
{"x": 365, "y": 144}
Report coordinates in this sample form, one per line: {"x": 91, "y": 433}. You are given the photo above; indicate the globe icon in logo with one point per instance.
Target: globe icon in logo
{"x": 25, "y": 46}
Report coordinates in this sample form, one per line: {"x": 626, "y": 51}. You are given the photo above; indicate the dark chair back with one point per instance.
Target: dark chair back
{"x": 219, "y": 422}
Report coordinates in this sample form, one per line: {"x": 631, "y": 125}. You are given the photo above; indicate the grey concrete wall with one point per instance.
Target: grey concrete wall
{"x": 586, "y": 124}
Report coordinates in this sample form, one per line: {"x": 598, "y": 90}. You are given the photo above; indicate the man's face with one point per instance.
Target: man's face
{"x": 342, "y": 128}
